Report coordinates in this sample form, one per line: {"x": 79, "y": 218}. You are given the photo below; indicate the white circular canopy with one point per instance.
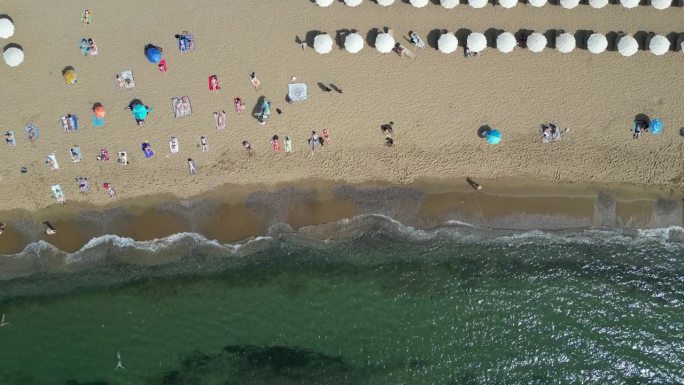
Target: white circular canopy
{"x": 506, "y": 42}
{"x": 384, "y": 42}
{"x": 659, "y": 45}
{"x": 569, "y": 4}
{"x": 536, "y": 42}
{"x": 598, "y": 3}
{"x": 537, "y": 3}
{"x": 353, "y": 43}
{"x": 629, "y": 3}
{"x": 353, "y": 3}
{"x": 6, "y": 28}
{"x": 477, "y": 3}
{"x": 597, "y": 43}
{"x": 627, "y": 46}
{"x": 323, "y": 43}
{"x": 565, "y": 43}
{"x": 508, "y": 3}
{"x": 476, "y": 42}
{"x": 385, "y": 3}
{"x": 324, "y": 3}
{"x": 447, "y": 43}
{"x": 661, "y": 4}
{"x": 448, "y": 4}
{"x": 419, "y": 3}
{"x": 13, "y": 56}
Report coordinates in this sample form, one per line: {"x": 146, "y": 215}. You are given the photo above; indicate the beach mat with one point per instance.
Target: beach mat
{"x": 180, "y": 111}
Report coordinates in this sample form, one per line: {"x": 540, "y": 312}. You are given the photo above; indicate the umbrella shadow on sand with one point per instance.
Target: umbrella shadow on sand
{"x": 257, "y": 107}
{"x": 483, "y": 130}
{"x": 310, "y": 36}
{"x": 371, "y": 36}
{"x": 342, "y": 34}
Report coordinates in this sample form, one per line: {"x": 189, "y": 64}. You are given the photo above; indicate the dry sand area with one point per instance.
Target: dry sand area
{"x": 438, "y": 102}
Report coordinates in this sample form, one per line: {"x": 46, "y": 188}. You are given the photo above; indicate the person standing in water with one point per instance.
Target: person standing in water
{"x": 50, "y": 228}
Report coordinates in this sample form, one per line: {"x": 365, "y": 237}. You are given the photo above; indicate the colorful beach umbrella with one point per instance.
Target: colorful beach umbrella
{"x": 323, "y": 43}
{"x": 661, "y": 4}
{"x": 353, "y": 3}
{"x": 598, "y": 4}
{"x": 419, "y": 3}
{"x": 13, "y": 56}
{"x": 448, "y": 4}
{"x": 385, "y": 3}
{"x": 6, "y": 27}
{"x": 139, "y": 111}
{"x": 476, "y": 42}
{"x": 69, "y": 75}
{"x": 659, "y": 45}
{"x": 447, "y": 43}
{"x": 597, "y": 43}
{"x": 655, "y": 126}
{"x": 565, "y": 43}
{"x": 508, "y": 3}
{"x": 384, "y": 43}
{"x": 153, "y": 54}
{"x": 353, "y": 43}
{"x": 629, "y": 4}
{"x": 324, "y": 3}
{"x": 477, "y": 3}
{"x": 506, "y": 42}
{"x": 536, "y": 42}
{"x": 493, "y": 137}
{"x": 627, "y": 46}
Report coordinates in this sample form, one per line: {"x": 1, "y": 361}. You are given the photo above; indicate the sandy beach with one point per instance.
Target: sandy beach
{"x": 438, "y": 102}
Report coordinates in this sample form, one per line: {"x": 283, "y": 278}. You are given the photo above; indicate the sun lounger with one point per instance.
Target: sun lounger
{"x": 126, "y": 79}
{"x": 58, "y": 194}
{"x": 181, "y": 106}
{"x": 416, "y": 40}
{"x": 220, "y": 120}
{"x": 403, "y": 51}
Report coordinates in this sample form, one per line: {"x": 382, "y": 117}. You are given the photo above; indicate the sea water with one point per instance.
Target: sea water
{"x": 363, "y": 301}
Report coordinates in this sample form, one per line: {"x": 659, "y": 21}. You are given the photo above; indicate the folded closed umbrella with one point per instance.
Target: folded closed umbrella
{"x": 384, "y": 42}
{"x": 447, "y": 43}
{"x": 353, "y": 43}
{"x": 493, "y": 137}
{"x": 661, "y": 4}
{"x": 324, "y": 3}
{"x": 537, "y": 3}
{"x": 13, "y": 56}
{"x": 629, "y": 3}
{"x": 598, "y": 4}
{"x": 506, "y": 42}
{"x": 565, "y": 43}
{"x": 419, "y": 3}
{"x": 353, "y": 3}
{"x": 477, "y": 3}
{"x": 323, "y": 43}
{"x": 6, "y": 27}
{"x": 659, "y": 45}
{"x": 508, "y": 3}
{"x": 655, "y": 126}
{"x": 449, "y": 4}
{"x": 385, "y": 3}
{"x": 627, "y": 46}
{"x": 569, "y": 4}
{"x": 597, "y": 43}
{"x": 536, "y": 42}
{"x": 476, "y": 42}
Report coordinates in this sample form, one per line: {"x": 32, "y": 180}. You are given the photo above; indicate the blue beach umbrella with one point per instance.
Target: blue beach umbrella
{"x": 153, "y": 54}
{"x": 655, "y": 127}
{"x": 140, "y": 111}
{"x": 493, "y": 137}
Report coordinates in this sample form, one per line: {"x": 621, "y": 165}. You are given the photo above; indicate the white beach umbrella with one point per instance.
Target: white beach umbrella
{"x": 477, "y": 3}
{"x": 13, "y": 56}
{"x": 629, "y": 3}
{"x": 384, "y": 42}
{"x": 537, "y": 3}
{"x": 6, "y": 28}
{"x": 353, "y": 43}
{"x": 447, "y": 43}
{"x": 598, "y": 4}
{"x": 597, "y": 43}
{"x": 324, "y": 3}
{"x": 569, "y": 4}
{"x": 536, "y": 42}
{"x": 476, "y": 42}
{"x": 659, "y": 45}
{"x": 385, "y": 3}
{"x": 506, "y": 42}
{"x": 419, "y": 3}
{"x": 448, "y": 4}
{"x": 353, "y": 3}
{"x": 508, "y": 3}
{"x": 627, "y": 46}
{"x": 565, "y": 43}
{"x": 323, "y": 43}
{"x": 661, "y": 4}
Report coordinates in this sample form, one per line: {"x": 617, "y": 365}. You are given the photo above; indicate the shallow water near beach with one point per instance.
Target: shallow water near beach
{"x": 362, "y": 301}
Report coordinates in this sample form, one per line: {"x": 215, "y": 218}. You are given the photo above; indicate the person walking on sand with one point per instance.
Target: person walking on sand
{"x": 50, "y": 228}
{"x": 288, "y": 145}
{"x": 476, "y": 186}
{"x": 192, "y": 169}
{"x": 204, "y": 143}
{"x": 313, "y": 140}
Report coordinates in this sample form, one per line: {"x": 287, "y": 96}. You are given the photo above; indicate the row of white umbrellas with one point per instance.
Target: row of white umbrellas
{"x": 449, "y": 4}
{"x": 13, "y": 55}
{"x": 505, "y": 42}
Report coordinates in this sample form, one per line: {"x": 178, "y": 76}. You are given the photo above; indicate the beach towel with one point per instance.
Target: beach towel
{"x": 32, "y": 132}
{"x": 10, "y": 139}
{"x": 239, "y": 105}
{"x": 181, "y": 106}
{"x": 147, "y": 149}
{"x": 550, "y": 133}
{"x": 213, "y": 83}
{"x": 104, "y": 155}
{"x": 220, "y": 120}
{"x": 75, "y": 153}
{"x": 93, "y": 47}
{"x": 122, "y": 158}
{"x": 52, "y": 161}
{"x": 174, "y": 146}
{"x": 124, "y": 80}
{"x": 85, "y": 47}
{"x": 58, "y": 194}
{"x": 186, "y": 42}
{"x": 297, "y": 92}
{"x": 415, "y": 39}
{"x": 98, "y": 122}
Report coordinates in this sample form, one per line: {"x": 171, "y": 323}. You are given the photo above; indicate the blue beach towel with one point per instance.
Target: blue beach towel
{"x": 74, "y": 121}
{"x": 147, "y": 149}
{"x": 30, "y": 128}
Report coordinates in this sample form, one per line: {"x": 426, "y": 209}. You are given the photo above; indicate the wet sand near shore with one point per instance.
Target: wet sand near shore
{"x": 234, "y": 213}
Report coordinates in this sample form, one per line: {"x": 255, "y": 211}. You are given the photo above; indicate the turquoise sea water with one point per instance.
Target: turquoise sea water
{"x": 376, "y": 304}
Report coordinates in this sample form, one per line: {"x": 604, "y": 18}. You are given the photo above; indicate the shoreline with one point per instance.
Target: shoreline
{"x": 231, "y": 213}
